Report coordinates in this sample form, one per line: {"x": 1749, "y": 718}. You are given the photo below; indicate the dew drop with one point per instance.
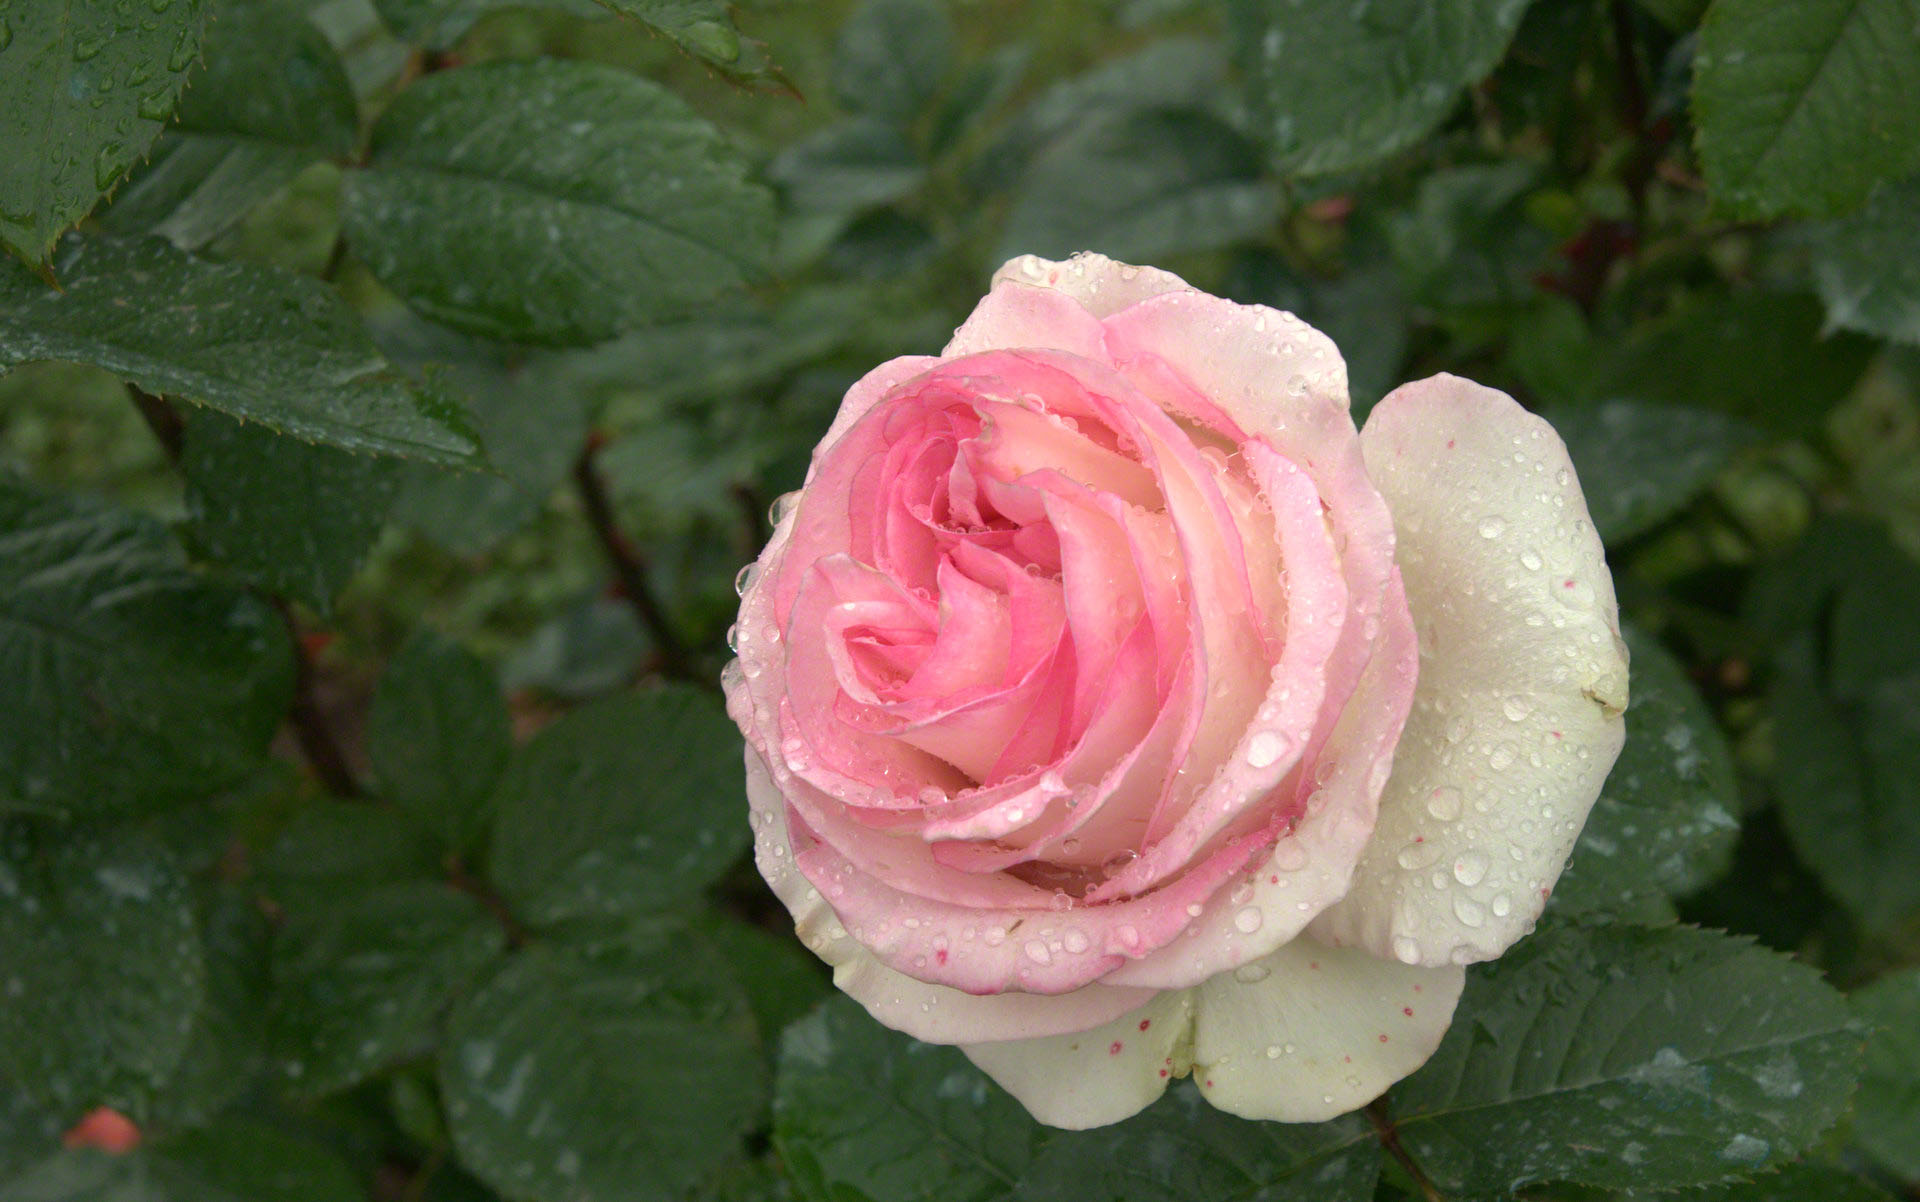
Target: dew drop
{"x": 1252, "y": 974}
{"x": 1516, "y": 708}
{"x": 1266, "y": 748}
{"x": 1248, "y": 920}
{"x": 1415, "y": 856}
{"x": 1407, "y": 949}
{"x": 1444, "y": 803}
{"x": 1037, "y": 952}
{"x": 1075, "y": 941}
{"x": 1470, "y": 868}
{"x": 1492, "y": 526}
{"x": 743, "y": 580}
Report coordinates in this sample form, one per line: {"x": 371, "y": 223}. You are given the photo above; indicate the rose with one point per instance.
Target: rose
{"x": 1115, "y": 710}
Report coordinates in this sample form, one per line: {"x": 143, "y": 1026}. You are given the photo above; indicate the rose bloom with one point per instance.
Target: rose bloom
{"x": 1115, "y": 710}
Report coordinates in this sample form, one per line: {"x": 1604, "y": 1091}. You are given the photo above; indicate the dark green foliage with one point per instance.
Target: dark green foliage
{"x": 391, "y": 390}
{"x": 136, "y": 682}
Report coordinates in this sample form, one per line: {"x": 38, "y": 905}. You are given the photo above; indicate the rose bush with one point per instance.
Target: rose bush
{"x": 1116, "y": 710}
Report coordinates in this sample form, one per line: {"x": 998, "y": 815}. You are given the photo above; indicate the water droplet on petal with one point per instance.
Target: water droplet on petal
{"x": 1470, "y": 868}
{"x": 1266, "y": 748}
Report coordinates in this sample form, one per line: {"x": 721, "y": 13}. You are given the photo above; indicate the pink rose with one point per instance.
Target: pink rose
{"x": 1115, "y": 710}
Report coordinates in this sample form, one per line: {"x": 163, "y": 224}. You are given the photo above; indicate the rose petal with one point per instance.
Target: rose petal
{"x": 1310, "y": 1032}
{"x": 1098, "y": 1076}
{"x": 1097, "y": 283}
{"x": 1015, "y": 317}
{"x": 1523, "y": 677}
{"x": 1312, "y": 867}
{"x": 934, "y": 1013}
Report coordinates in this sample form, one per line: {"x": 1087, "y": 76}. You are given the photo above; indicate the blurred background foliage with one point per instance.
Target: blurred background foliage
{"x": 372, "y": 494}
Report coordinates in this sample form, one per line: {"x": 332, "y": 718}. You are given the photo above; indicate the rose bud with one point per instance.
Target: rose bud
{"x": 1115, "y": 710}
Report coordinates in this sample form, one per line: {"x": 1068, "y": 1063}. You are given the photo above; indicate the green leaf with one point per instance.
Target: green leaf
{"x": 1886, "y": 1111}
{"x": 439, "y": 736}
{"x": 28, "y": 1130}
{"x": 330, "y": 850}
{"x": 532, "y": 424}
{"x": 584, "y": 651}
{"x": 1758, "y": 356}
{"x": 249, "y": 1159}
{"x": 272, "y": 98}
{"x": 782, "y": 978}
{"x": 1641, "y": 463}
{"x": 702, "y": 28}
{"x": 1183, "y": 1150}
{"x": 1171, "y": 73}
{"x": 255, "y": 342}
{"x": 360, "y": 982}
{"x": 293, "y": 517}
{"x": 1141, "y": 187}
{"x": 1802, "y": 108}
{"x": 1631, "y": 1059}
{"x": 552, "y": 202}
{"x": 89, "y": 84}
{"x": 1845, "y": 611}
{"x": 438, "y": 25}
{"x": 849, "y": 166}
{"x": 623, "y": 1072}
{"x": 1848, "y": 786}
{"x": 861, "y": 1112}
{"x": 100, "y": 964}
{"x": 628, "y": 805}
{"x": 891, "y": 57}
{"x": 236, "y": 1160}
{"x": 1664, "y": 824}
{"x": 138, "y": 682}
{"x": 1803, "y": 1182}
{"x": 227, "y": 1048}
{"x": 1334, "y": 87}
{"x": 1867, "y": 266}
{"x": 1464, "y": 242}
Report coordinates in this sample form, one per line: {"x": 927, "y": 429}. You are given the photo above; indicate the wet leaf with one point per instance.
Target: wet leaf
{"x": 553, "y": 202}
{"x": 89, "y": 83}
{"x": 140, "y": 683}
{"x": 257, "y": 343}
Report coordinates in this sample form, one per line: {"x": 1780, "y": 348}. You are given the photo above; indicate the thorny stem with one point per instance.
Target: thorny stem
{"x": 629, "y": 565}
{"x": 1390, "y": 1140}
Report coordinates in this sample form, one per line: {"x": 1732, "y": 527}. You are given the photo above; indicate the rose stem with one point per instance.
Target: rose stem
{"x": 629, "y": 564}
{"x": 1390, "y": 1139}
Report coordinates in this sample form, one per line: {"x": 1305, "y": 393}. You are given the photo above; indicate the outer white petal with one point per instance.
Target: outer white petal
{"x": 1099, "y": 1076}
{"x": 934, "y": 1013}
{"x": 1311, "y": 1032}
{"x": 1101, "y": 285}
{"x": 1523, "y": 677}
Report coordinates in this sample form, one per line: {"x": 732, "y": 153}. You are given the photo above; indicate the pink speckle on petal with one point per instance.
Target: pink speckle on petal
{"x": 940, "y": 956}
{"x": 1383, "y": 1037}
{"x": 1145, "y": 1023}
{"x": 1407, "y": 1010}
{"x": 1114, "y": 1048}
